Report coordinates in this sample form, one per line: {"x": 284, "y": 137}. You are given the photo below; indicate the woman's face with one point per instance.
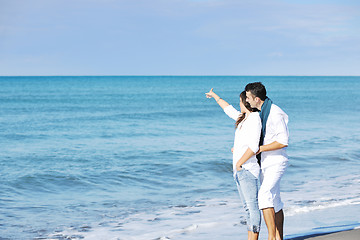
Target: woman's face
{"x": 242, "y": 106}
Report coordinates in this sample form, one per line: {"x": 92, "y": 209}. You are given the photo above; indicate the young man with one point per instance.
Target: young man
{"x": 273, "y": 143}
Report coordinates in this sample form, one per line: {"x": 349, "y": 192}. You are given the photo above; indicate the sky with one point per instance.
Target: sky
{"x": 179, "y": 37}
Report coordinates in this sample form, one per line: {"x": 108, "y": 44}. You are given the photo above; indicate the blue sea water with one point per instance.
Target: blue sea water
{"x": 149, "y": 157}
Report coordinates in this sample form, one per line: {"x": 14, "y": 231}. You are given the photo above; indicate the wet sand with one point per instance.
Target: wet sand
{"x": 344, "y": 235}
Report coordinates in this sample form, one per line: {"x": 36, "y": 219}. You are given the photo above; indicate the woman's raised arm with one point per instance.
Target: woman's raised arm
{"x": 222, "y": 103}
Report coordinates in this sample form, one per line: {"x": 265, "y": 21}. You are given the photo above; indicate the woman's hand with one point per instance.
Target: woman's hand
{"x": 238, "y": 168}
{"x": 232, "y": 150}
{"x": 223, "y": 104}
{"x": 210, "y": 94}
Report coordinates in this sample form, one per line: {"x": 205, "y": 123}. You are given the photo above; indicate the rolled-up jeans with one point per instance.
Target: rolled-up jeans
{"x": 248, "y": 186}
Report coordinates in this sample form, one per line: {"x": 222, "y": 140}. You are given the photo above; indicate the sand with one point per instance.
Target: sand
{"x": 344, "y": 235}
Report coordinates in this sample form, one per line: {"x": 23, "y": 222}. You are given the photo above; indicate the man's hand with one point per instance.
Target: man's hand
{"x": 270, "y": 147}
{"x": 259, "y": 151}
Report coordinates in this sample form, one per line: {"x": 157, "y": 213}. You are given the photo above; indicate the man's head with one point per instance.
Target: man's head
{"x": 255, "y": 94}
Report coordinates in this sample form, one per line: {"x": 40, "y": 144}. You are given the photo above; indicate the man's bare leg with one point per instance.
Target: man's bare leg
{"x": 269, "y": 217}
{"x": 253, "y": 236}
{"x": 279, "y": 223}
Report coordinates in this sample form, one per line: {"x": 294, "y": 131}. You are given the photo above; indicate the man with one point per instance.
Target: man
{"x": 273, "y": 143}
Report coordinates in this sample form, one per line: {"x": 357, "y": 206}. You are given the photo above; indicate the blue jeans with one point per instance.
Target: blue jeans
{"x": 248, "y": 187}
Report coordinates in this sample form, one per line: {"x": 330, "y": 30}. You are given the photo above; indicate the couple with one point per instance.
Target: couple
{"x": 257, "y": 132}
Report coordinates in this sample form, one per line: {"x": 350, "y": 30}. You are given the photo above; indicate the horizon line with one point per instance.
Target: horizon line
{"x": 168, "y": 75}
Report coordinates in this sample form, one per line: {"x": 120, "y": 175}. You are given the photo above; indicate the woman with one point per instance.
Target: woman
{"x": 245, "y": 166}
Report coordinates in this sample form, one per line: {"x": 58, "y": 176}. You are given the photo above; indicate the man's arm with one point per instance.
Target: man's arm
{"x": 270, "y": 147}
{"x": 282, "y": 135}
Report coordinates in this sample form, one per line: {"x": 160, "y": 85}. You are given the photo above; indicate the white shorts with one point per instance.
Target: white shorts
{"x": 269, "y": 193}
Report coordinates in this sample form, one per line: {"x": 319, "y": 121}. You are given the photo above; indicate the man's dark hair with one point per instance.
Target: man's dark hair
{"x": 257, "y": 89}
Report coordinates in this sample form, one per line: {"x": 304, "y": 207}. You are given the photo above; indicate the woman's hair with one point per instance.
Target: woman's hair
{"x": 247, "y": 105}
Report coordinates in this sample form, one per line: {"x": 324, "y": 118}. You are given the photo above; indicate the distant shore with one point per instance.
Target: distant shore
{"x": 342, "y": 235}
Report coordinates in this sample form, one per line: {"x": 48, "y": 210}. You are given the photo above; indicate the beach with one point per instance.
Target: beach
{"x": 344, "y": 235}
{"x": 344, "y": 226}
{"x": 149, "y": 157}
{"x": 218, "y": 219}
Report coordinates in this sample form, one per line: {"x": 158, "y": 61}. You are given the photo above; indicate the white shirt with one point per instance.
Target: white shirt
{"x": 276, "y": 130}
{"x": 247, "y": 135}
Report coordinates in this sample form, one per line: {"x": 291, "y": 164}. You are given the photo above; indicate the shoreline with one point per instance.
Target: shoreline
{"x": 323, "y": 223}
{"x": 352, "y": 234}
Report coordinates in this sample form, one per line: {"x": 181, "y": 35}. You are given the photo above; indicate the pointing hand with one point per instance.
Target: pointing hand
{"x": 210, "y": 94}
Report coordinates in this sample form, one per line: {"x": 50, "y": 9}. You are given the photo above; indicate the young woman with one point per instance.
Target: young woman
{"x": 245, "y": 167}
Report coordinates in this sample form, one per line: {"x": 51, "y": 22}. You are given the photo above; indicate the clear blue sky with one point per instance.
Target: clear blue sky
{"x": 179, "y": 37}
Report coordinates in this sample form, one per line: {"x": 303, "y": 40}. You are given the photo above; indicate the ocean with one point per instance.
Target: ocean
{"x": 148, "y": 157}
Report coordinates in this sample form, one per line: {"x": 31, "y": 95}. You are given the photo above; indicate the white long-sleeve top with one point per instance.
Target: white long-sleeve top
{"x": 276, "y": 130}
{"x": 247, "y": 135}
